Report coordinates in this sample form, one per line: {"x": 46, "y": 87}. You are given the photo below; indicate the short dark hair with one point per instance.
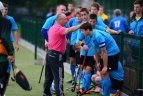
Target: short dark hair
{"x": 84, "y": 9}
{"x": 93, "y": 16}
{"x": 86, "y": 26}
{"x": 97, "y": 5}
{"x": 139, "y": 2}
{"x": 5, "y": 5}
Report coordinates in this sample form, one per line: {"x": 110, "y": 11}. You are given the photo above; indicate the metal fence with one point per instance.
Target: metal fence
{"x": 31, "y": 31}
{"x": 131, "y": 50}
{"x": 131, "y": 56}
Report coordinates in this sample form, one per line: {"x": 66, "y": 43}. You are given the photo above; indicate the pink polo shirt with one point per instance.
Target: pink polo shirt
{"x": 57, "y": 38}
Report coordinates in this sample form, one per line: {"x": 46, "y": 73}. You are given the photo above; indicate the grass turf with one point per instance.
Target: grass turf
{"x": 25, "y": 62}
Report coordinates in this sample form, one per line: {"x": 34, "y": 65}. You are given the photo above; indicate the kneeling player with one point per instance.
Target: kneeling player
{"x": 116, "y": 78}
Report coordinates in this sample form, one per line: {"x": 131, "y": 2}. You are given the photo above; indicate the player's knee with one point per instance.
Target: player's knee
{"x": 88, "y": 69}
{"x": 72, "y": 60}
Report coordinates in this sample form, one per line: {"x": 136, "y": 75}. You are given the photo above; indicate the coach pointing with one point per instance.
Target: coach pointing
{"x": 57, "y": 47}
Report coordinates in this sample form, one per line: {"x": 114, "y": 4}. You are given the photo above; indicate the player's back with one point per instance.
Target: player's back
{"x": 119, "y": 23}
{"x": 110, "y": 43}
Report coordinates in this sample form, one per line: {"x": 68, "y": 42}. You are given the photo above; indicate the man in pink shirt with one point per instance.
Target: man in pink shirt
{"x": 54, "y": 63}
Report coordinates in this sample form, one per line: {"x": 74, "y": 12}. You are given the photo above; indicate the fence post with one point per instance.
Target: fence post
{"x": 140, "y": 64}
{"x": 36, "y": 40}
{"x": 122, "y": 46}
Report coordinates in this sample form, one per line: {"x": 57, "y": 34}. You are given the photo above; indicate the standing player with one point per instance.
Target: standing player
{"x": 100, "y": 24}
{"x": 51, "y": 21}
{"x": 119, "y": 22}
{"x": 73, "y": 22}
{"x": 106, "y": 52}
{"x": 14, "y": 29}
{"x": 87, "y": 51}
{"x": 94, "y": 10}
{"x": 6, "y": 50}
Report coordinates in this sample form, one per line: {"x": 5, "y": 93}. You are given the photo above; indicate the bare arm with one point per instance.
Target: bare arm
{"x": 71, "y": 29}
{"x": 15, "y": 35}
{"x": 104, "y": 56}
{"x": 110, "y": 31}
{"x": 97, "y": 57}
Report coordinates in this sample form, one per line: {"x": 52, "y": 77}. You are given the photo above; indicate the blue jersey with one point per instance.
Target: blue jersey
{"x": 119, "y": 74}
{"x": 100, "y": 22}
{"x": 89, "y": 42}
{"x": 47, "y": 25}
{"x": 101, "y": 28}
{"x": 119, "y": 23}
{"x": 137, "y": 26}
{"x": 103, "y": 39}
{"x": 73, "y": 22}
{"x": 13, "y": 28}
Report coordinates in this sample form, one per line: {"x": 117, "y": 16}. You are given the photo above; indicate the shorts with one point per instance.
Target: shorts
{"x": 116, "y": 84}
{"x": 77, "y": 57}
{"x": 89, "y": 61}
{"x": 112, "y": 62}
{"x": 72, "y": 51}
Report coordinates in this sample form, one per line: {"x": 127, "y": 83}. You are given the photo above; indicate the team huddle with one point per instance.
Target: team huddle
{"x": 92, "y": 49}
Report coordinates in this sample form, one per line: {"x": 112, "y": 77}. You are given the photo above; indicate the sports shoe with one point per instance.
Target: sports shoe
{"x": 96, "y": 89}
{"x": 83, "y": 92}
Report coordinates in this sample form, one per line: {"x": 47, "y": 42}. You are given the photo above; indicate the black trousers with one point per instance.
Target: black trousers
{"x": 4, "y": 77}
{"x": 54, "y": 70}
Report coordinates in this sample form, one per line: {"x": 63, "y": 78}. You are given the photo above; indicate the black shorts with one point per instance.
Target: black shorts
{"x": 89, "y": 61}
{"x": 3, "y": 68}
{"x": 112, "y": 62}
{"x": 77, "y": 57}
{"x": 116, "y": 84}
{"x": 72, "y": 51}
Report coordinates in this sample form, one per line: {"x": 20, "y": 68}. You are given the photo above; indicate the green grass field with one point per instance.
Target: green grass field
{"x": 25, "y": 62}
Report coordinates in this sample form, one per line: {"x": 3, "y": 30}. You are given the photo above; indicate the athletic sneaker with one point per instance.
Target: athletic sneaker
{"x": 96, "y": 89}
{"x": 82, "y": 91}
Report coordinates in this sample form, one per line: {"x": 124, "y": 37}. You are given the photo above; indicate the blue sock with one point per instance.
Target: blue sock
{"x": 79, "y": 74}
{"x": 86, "y": 81}
{"x": 106, "y": 86}
{"x": 72, "y": 68}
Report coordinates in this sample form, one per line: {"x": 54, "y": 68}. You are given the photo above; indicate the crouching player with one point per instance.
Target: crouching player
{"x": 106, "y": 52}
{"x": 116, "y": 78}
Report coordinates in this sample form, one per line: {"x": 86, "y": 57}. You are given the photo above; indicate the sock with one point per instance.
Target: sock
{"x": 106, "y": 86}
{"x": 72, "y": 68}
{"x": 86, "y": 81}
{"x": 79, "y": 74}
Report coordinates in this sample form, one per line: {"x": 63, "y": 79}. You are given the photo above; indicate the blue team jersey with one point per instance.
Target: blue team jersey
{"x": 100, "y": 22}
{"x": 13, "y": 28}
{"x": 137, "y": 26}
{"x": 119, "y": 74}
{"x": 89, "y": 42}
{"x": 47, "y": 25}
{"x": 103, "y": 39}
{"x": 49, "y": 22}
{"x": 101, "y": 28}
{"x": 73, "y": 22}
{"x": 119, "y": 23}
